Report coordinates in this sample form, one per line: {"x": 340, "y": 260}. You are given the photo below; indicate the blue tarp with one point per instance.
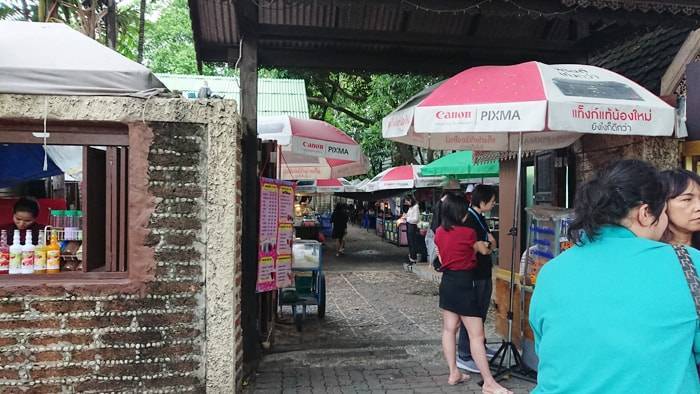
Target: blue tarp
{"x": 24, "y": 162}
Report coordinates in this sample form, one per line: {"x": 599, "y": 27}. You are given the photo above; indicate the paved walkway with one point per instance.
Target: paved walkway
{"x": 381, "y": 333}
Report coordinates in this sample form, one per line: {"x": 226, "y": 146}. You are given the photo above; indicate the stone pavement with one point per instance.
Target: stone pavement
{"x": 381, "y": 333}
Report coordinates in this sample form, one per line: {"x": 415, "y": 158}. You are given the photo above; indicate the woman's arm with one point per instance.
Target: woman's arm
{"x": 482, "y": 247}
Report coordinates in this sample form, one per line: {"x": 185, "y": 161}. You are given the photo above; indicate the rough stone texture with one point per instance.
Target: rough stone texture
{"x": 593, "y": 152}
{"x": 169, "y": 327}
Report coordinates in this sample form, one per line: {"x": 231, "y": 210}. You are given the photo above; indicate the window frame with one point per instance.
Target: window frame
{"x": 112, "y": 135}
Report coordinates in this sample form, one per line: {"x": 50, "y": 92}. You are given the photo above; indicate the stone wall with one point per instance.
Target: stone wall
{"x": 174, "y": 324}
{"x": 593, "y": 152}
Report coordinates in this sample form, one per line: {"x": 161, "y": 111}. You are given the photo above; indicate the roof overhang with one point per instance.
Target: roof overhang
{"x": 431, "y": 36}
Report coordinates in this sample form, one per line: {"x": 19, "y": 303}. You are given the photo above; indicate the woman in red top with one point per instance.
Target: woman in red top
{"x": 457, "y": 246}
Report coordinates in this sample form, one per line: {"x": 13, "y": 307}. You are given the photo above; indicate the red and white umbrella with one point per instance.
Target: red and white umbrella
{"x": 402, "y": 177}
{"x": 322, "y": 186}
{"x": 485, "y": 108}
{"x": 312, "y": 149}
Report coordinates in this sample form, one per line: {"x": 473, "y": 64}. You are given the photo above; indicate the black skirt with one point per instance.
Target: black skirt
{"x": 458, "y": 293}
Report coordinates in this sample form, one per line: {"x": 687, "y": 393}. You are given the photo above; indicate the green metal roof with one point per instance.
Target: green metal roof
{"x": 275, "y": 96}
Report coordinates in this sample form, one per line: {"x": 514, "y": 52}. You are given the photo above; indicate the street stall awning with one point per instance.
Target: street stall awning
{"x": 312, "y": 149}
{"x": 483, "y": 108}
{"x": 402, "y": 177}
{"x": 53, "y": 58}
{"x": 322, "y": 186}
{"x": 24, "y": 162}
{"x": 460, "y": 165}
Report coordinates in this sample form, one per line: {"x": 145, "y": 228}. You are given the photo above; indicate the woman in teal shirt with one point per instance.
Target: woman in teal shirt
{"x": 614, "y": 314}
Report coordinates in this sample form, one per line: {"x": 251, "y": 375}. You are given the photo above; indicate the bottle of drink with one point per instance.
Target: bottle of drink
{"x": 28, "y": 254}
{"x": 53, "y": 255}
{"x": 15, "y": 255}
{"x": 40, "y": 254}
{"x": 4, "y": 254}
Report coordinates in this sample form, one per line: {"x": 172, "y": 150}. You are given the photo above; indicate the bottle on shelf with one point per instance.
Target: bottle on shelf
{"x": 40, "y": 254}
{"x": 4, "y": 254}
{"x": 53, "y": 255}
{"x": 15, "y": 255}
{"x": 28, "y": 253}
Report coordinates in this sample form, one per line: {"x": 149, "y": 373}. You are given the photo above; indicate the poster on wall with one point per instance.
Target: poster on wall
{"x": 275, "y": 235}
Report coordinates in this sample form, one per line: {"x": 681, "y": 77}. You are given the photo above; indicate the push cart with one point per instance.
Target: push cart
{"x": 309, "y": 282}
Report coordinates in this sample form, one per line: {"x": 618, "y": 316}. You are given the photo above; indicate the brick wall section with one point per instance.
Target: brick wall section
{"x": 58, "y": 340}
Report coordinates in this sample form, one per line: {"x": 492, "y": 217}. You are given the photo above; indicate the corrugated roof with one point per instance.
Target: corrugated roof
{"x": 644, "y": 58}
{"x": 275, "y": 96}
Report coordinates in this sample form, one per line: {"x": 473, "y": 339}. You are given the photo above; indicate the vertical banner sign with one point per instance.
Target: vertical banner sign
{"x": 267, "y": 239}
{"x": 285, "y": 235}
{"x": 276, "y": 235}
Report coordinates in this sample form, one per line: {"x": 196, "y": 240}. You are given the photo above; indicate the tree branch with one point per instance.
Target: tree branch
{"x": 325, "y": 104}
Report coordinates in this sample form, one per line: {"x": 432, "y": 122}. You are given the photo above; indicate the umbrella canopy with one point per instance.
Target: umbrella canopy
{"x": 552, "y": 104}
{"x": 322, "y": 186}
{"x": 312, "y": 149}
{"x": 53, "y": 58}
{"x": 402, "y": 177}
{"x": 460, "y": 165}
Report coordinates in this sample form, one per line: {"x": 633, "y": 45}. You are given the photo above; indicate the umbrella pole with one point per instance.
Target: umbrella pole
{"x": 508, "y": 357}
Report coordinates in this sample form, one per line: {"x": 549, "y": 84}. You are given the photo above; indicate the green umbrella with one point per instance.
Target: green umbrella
{"x": 460, "y": 165}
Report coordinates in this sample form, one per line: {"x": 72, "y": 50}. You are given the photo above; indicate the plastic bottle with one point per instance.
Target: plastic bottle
{"x": 28, "y": 254}
{"x": 15, "y": 255}
{"x": 4, "y": 254}
{"x": 53, "y": 255}
{"x": 40, "y": 254}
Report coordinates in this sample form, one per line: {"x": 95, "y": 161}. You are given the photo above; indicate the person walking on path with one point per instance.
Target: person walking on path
{"x": 614, "y": 314}
{"x": 457, "y": 246}
{"x": 339, "y": 218}
{"x": 683, "y": 207}
{"x": 483, "y": 200}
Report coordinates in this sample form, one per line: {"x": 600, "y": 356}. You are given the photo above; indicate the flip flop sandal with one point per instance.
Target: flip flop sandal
{"x": 463, "y": 379}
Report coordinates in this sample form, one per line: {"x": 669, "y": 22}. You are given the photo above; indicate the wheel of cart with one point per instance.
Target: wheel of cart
{"x": 309, "y": 282}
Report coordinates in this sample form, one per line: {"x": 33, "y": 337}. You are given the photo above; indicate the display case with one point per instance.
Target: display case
{"x": 306, "y": 255}
{"x": 546, "y": 238}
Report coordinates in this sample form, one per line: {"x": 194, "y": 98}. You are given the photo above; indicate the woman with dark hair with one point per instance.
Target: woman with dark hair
{"x": 683, "y": 207}
{"x": 412, "y": 217}
{"x": 24, "y": 217}
{"x": 614, "y": 313}
{"x": 483, "y": 200}
{"x": 457, "y": 246}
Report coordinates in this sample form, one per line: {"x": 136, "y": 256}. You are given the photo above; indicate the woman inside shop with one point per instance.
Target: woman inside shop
{"x": 457, "y": 246}
{"x": 683, "y": 207}
{"x": 614, "y": 314}
{"x": 24, "y": 217}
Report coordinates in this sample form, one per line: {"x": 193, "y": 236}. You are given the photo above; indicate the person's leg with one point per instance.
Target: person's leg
{"x": 475, "y": 327}
{"x": 410, "y": 233}
{"x": 484, "y": 289}
{"x": 463, "y": 350}
{"x": 450, "y": 322}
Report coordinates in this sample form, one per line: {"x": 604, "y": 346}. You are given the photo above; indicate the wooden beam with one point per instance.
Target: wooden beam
{"x": 415, "y": 40}
{"x": 401, "y": 61}
{"x": 676, "y": 71}
{"x": 249, "y": 197}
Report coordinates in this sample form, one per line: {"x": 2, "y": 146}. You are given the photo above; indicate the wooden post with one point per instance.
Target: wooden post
{"x": 249, "y": 242}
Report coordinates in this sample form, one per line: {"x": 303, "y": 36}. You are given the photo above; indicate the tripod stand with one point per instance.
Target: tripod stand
{"x": 508, "y": 357}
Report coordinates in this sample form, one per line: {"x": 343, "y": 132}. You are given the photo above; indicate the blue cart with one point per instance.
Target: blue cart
{"x": 309, "y": 282}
